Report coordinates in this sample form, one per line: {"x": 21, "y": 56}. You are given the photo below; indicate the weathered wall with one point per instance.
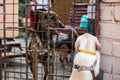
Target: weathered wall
{"x": 110, "y": 39}
{"x": 11, "y": 18}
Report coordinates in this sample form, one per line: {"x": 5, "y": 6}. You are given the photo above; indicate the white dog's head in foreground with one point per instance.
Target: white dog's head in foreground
{"x": 87, "y": 58}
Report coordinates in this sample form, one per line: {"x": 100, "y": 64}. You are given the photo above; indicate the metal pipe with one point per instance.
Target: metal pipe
{"x": 60, "y": 28}
{"x": 1, "y": 54}
{"x": 4, "y": 33}
{"x": 1, "y": 4}
{"x": 81, "y": 4}
{"x": 36, "y": 4}
{"x": 48, "y": 62}
{"x": 97, "y": 13}
{"x": 26, "y": 38}
{"x": 0, "y": 60}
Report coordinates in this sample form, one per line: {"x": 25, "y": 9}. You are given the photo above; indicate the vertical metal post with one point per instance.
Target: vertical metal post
{"x": 73, "y": 23}
{"x": 26, "y": 37}
{"x": 4, "y": 40}
{"x": 1, "y": 49}
{"x": 0, "y": 60}
{"x": 48, "y": 5}
{"x": 4, "y": 29}
{"x": 97, "y": 13}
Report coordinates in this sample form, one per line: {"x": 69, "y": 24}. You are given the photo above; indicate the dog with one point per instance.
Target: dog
{"x": 41, "y": 45}
{"x": 63, "y": 52}
{"x": 64, "y": 49}
{"x": 87, "y": 58}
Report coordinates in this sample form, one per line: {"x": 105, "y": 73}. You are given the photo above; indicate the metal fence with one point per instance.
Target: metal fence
{"x": 34, "y": 54}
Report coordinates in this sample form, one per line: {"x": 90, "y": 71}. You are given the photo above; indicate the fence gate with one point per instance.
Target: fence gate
{"x": 40, "y": 45}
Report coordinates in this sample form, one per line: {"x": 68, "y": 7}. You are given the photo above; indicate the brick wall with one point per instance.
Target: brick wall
{"x": 11, "y": 18}
{"x": 110, "y": 39}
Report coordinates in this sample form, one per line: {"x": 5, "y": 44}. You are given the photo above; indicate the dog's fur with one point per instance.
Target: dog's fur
{"x": 63, "y": 52}
{"x": 86, "y": 42}
{"x": 65, "y": 49}
{"x": 41, "y": 41}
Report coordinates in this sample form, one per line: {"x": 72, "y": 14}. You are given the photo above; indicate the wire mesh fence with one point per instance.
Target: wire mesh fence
{"x": 39, "y": 45}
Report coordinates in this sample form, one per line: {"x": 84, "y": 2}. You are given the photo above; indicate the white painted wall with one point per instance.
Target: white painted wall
{"x": 110, "y": 39}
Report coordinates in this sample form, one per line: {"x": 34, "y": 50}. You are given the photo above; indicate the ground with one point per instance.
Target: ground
{"x": 16, "y": 68}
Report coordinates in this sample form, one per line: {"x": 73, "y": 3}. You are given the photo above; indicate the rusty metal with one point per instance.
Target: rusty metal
{"x": 1, "y": 49}
{"x": 0, "y": 60}
{"x": 17, "y": 65}
{"x": 97, "y": 28}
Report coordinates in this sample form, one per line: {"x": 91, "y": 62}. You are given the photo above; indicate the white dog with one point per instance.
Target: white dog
{"x": 87, "y": 58}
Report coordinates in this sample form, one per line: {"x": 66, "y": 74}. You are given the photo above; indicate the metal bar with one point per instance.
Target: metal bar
{"x": 97, "y": 13}
{"x": 60, "y": 28}
{"x": 0, "y": 60}
{"x": 13, "y": 56}
{"x": 73, "y": 24}
{"x": 1, "y": 4}
{"x": 26, "y": 38}
{"x": 36, "y": 4}
{"x": 13, "y": 18}
{"x": 66, "y": 76}
{"x": 72, "y": 29}
{"x": 81, "y": 4}
{"x": 4, "y": 30}
{"x": 48, "y": 47}
{"x": 15, "y": 27}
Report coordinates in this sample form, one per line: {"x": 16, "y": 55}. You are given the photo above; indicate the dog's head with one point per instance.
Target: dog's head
{"x": 48, "y": 19}
{"x": 53, "y": 19}
{"x": 45, "y": 21}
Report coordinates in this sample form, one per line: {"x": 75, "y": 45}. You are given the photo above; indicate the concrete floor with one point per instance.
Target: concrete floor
{"x": 15, "y": 68}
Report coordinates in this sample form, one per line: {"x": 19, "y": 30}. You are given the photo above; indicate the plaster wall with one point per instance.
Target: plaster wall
{"x": 110, "y": 39}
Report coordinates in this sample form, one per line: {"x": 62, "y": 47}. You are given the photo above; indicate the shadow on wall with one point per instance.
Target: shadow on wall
{"x": 100, "y": 76}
